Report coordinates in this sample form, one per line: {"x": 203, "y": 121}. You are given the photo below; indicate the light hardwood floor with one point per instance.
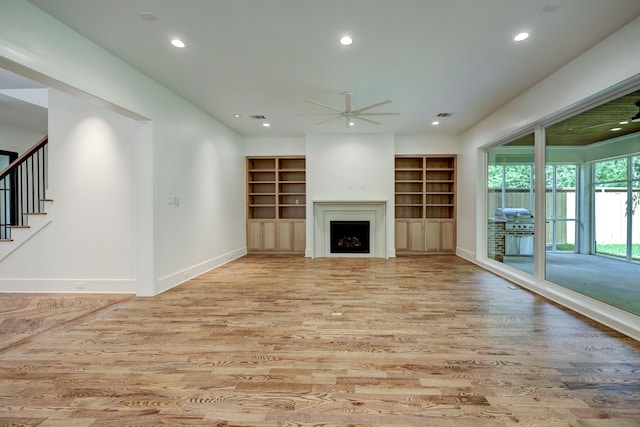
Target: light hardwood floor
{"x": 291, "y": 341}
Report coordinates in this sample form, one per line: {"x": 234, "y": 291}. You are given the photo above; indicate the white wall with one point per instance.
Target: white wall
{"x": 200, "y": 162}
{"x": 182, "y": 151}
{"x": 16, "y": 139}
{"x": 274, "y": 146}
{"x": 90, "y": 243}
{"x": 427, "y": 144}
{"x": 358, "y": 167}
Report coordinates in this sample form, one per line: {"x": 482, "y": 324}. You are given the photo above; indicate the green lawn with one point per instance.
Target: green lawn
{"x": 569, "y": 247}
{"x": 611, "y": 250}
{"x": 618, "y": 250}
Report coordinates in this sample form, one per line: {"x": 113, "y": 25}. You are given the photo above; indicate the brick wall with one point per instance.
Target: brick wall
{"x": 495, "y": 241}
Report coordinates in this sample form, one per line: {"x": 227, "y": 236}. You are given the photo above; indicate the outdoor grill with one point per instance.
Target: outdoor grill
{"x": 519, "y": 230}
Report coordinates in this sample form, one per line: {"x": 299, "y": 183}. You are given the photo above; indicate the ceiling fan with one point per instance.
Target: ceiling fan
{"x": 349, "y": 113}
{"x": 634, "y": 119}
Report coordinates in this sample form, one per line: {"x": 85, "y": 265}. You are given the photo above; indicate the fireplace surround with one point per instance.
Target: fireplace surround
{"x": 373, "y": 212}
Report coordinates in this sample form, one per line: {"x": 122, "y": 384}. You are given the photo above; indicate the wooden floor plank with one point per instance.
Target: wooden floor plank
{"x": 292, "y": 341}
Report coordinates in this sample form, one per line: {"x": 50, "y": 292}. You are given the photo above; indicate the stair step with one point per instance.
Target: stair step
{"x": 46, "y": 200}
{"x": 6, "y": 240}
{"x": 35, "y": 213}
{"x": 18, "y": 226}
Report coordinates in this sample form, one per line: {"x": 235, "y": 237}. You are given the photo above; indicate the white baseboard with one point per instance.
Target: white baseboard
{"x": 468, "y": 255}
{"x": 114, "y": 286}
{"x": 175, "y": 279}
{"x": 75, "y": 286}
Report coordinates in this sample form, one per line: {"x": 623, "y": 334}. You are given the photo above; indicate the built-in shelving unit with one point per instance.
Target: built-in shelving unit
{"x": 425, "y": 207}
{"x": 276, "y": 204}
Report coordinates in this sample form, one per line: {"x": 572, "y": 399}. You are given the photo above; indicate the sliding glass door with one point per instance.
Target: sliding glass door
{"x": 591, "y": 224}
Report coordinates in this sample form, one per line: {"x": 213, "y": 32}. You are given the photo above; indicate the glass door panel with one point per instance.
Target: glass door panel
{"x": 635, "y": 221}
{"x": 610, "y": 208}
{"x": 510, "y": 204}
{"x": 561, "y": 207}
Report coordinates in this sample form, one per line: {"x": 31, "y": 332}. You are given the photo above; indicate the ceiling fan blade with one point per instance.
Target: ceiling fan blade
{"x": 368, "y": 107}
{"x": 366, "y": 120}
{"x": 347, "y": 100}
{"x": 328, "y": 120}
{"x": 325, "y": 106}
{"x": 602, "y": 124}
{"x": 378, "y": 114}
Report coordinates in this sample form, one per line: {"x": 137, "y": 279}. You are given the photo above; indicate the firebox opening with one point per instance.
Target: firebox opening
{"x": 349, "y": 237}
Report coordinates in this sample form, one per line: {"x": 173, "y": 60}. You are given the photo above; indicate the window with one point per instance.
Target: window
{"x": 613, "y": 207}
{"x": 561, "y": 207}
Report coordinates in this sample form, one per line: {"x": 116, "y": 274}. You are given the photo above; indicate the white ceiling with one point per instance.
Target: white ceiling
{"x": 17, "y": 113}
{"x": 266, "y": 57}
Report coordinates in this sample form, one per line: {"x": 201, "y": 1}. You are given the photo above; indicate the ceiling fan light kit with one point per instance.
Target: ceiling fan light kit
{"x": 349, "y": 113}
{"x": 636, "y": 118}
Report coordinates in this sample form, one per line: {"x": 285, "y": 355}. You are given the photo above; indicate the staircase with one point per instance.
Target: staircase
{"x": 23, "y": 202}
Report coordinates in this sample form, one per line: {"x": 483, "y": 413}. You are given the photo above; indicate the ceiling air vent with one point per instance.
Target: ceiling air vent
{"x": 258, "y": 117}
{"x": 148, "y": 16}
{"x": 445, "y": 114}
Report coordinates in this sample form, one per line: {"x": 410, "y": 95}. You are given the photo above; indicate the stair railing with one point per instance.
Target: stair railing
{"x": 22, "y": 188}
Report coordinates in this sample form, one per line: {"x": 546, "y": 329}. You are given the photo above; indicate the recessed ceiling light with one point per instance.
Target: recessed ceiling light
{"x": 351, "y": 124}
{"x": 346, "y": 40}
{"x": 521, "y": 36}
{"x": 435, "y": 123}
{"x": 625, "y": 122}
{"x": 615, "y": 129}
{"x": 237, "y": 116}
{"x": 178, "y": 43}
{"x": 266, "y": 125}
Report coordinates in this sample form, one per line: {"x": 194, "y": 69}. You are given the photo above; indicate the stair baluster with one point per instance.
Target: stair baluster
{"x": 23, "y": 187}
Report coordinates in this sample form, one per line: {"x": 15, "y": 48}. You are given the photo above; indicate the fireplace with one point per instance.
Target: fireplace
{"x": 349, "y": 237}
{"x": 365, "y": 213}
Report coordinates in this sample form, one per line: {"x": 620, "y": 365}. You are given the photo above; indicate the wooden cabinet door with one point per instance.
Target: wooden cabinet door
{"x": 440, "y": 235}
{"x": 299, "y": 236}
{"x": 432, "y": 236}
{"x": 285, "y": 235}
{"x": 254, "y": 236}
{"x": 291, "y": 235}
{"x": 269, "y": 235}
{"x": 447, "y": 235}
{"x": 261, "y": 235}
{"x": 416, "y": 236}
{"x": 410, "y": 235}
{"x": 402, "y": 235}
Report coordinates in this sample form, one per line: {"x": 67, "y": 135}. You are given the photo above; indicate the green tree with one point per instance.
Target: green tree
{"x": 518, "y": 176}
{"x": 565, "y": 176}
{"x": 515, "y": 176}
{"x": 611, "y": 170}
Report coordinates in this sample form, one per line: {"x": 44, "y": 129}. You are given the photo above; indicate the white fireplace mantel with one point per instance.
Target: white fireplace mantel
{"x": 373, "y": 211}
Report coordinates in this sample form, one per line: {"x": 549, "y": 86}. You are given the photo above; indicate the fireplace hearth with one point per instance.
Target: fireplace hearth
{"x": 349, "y": 237}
